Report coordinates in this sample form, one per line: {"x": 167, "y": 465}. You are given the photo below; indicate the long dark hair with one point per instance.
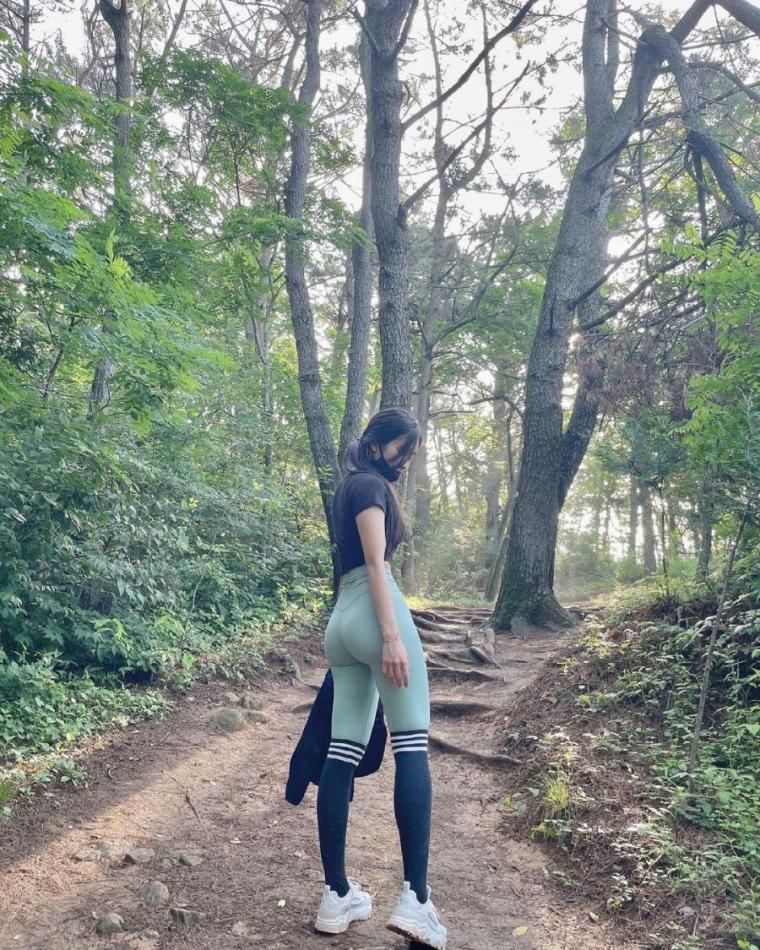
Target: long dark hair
{"x": 384, "y": 427}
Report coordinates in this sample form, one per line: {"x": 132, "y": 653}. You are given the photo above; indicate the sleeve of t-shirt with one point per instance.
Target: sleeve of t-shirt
{"x": 366, "y": 491}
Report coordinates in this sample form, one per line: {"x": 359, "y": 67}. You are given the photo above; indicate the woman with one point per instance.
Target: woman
{"x": 373, "y": 648}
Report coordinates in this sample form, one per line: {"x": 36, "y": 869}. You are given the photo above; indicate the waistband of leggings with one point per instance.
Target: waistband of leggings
{"x": 358, "y": 574}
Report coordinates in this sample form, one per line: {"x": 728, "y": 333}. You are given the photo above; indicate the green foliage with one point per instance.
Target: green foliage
{"x": 139, "y": 537}
{"x": 42, "y": 710}
{"x": 583, "y": 567}
{"x": 649, "y": 674}
{"x": 723, "y": 433}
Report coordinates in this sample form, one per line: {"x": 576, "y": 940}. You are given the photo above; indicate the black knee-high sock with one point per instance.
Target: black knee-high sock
{"x": 333, "y": 800}
{"x": 412, "y": 801}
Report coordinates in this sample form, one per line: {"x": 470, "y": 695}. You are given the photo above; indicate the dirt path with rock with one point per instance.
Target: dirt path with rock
{"x": 227, "y": 847}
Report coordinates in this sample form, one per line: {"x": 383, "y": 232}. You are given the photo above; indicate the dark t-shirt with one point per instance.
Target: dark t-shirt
{"x": 357, "y": 491}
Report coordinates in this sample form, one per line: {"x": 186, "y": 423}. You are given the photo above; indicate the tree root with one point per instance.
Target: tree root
{"x": 459, "y": 707}
{"x": 460, "y": 613}
{"x": 427, "y": 636}
{"x": 299, "y": 682}
{"x": 484, "y": 655}
{"x": 472, "y": 674}
{"x": 432, "y": 624}
{"x": 482, "y": 758}
{"x": 464, "y": 655}
{"x": 431, "y": 616}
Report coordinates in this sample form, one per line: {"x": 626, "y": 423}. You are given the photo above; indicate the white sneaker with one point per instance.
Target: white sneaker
{"x": 336, "y": 913}
{"x": 417, "y": 921}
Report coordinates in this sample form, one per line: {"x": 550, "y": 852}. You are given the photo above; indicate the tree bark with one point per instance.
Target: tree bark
{"x": 606, "y": 528}
{"x": 443, "y": 479}
{"x": 118, "y": 19}
{"x": 361, "y": 266}
{"x": 26, "y": 21}
{"x": 633, "y": 519}
{"x": 257, "y": 332}
{"x": 674, "y": 547}
{"x": 550, "y": 458}
{"x": 100, "y": 394}
{"x": 495, "y": 475}
{"x": 417, "y": 483}
{"x": 647, "y": 523}
{"x": 492, "y": 585}
{"x": 317, "y": 424}
{"x": 387, "y": 24}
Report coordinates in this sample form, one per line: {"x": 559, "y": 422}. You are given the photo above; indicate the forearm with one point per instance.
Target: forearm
{"x": 381, "y": 601}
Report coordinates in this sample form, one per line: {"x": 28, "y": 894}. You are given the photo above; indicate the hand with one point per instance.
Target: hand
{"x": 396, "y": 662}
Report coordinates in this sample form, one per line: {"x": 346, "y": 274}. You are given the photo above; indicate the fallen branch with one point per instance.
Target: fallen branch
{"x": 188, "y": 796}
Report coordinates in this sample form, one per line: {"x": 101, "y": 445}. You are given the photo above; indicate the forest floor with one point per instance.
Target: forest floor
{"x": 178, "y": 786}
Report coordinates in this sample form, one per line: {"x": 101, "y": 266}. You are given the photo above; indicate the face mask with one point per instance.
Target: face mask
{"x": 385, "y": 470}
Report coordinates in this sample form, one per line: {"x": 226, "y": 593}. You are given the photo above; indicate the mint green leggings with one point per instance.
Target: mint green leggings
{"x": 354, "y": 649}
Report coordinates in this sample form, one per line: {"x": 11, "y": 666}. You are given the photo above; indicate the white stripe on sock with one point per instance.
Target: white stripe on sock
{"x": 342, "y": 758}
{"x": 347, "y": 746}
{"x": 350, "y": 753}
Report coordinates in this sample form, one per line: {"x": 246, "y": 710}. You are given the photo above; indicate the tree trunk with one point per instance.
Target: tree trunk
{"x": 417, "y": 484}
{"x": 550, "y": 458}
{"x": 443, "y": 479}
{"x": 387, "y": 24}
{"x": 361, "y": 264}
{"x": 663, "y": 536}
{"x": 118, "y": 19}
{"x": 492, "y": 585}
{"x": 705, "y": 540}
{"x": 257, "y": 332}
{"x": 647, "y": 523}
{"x": 596, "y": 519}
{"x": 26, "y": 21}
{"x": 495, "y": 475}
{"x": 458, "y": 486}
{"x": 100, "y": 394}
{"x": 633, "y": 519}
{"x": 674, "y": 547}
{"x": 317, "y": 424}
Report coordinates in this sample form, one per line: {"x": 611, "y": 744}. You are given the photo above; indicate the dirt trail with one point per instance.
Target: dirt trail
{"x": 259, "y": 852}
